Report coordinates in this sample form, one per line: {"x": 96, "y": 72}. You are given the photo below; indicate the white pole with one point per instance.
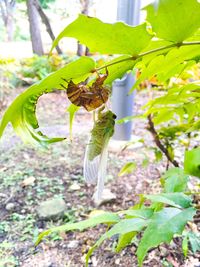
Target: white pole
{"x": 122, "y": 104}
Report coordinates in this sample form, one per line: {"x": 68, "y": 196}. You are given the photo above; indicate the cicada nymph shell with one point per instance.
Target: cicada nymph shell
{"x": 89, "y": 97}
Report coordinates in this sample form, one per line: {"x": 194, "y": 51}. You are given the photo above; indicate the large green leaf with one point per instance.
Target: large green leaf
{"x": 105, "y": 38}
{"x": 123, "y": 227}
{"x": 174, "y": 20}
{"x": 143, "y": 213}
{"x": 104, "y": 217}
{"x": 174, "y": 180}
{"x": 192, "y": 162}
{"x": 164, "y": 224}
{"x": 21, "y": 113}
{"x": 117, "y": 71}
{"x": 178, "y": 200}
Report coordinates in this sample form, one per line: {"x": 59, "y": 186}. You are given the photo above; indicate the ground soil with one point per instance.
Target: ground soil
{"x": 53, "y": 171}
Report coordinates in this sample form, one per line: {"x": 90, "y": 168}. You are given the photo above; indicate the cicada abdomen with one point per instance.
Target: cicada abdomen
{"x": 95, "y": 161}
{"x": 102, "y": 131}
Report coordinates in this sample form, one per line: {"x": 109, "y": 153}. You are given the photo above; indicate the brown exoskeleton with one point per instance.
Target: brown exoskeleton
{"x": 89, "y": 97}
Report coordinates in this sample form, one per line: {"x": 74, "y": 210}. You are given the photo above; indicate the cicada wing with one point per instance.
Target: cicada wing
{"x": 102, "y": 170}
{"x": 90, "y": 167}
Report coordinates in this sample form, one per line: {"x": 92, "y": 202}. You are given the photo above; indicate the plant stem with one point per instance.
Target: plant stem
{"x": 156, "y": 138}
{"x": 119, "y": 61}
{"x": 148, "y": 53}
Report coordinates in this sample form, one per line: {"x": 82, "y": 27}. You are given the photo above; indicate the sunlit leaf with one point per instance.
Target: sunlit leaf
{"x": 105, "y": 217}
{"x": 163, "y": 226}
{"x": 107, "y": 38}
{"x": 124, "y": 241}
{"x": 192, "y": 162}
{"x": 174, "y": 180}
{"x": 122, "y": 227}
{"x": 174, "y": 20}
{"x": 173, "y": 199}
{"x": 21, "y": 113}
{"x": 127, "y": 168}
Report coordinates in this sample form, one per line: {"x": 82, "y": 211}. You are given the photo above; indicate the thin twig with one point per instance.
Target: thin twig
{"x": 156, "y": 138}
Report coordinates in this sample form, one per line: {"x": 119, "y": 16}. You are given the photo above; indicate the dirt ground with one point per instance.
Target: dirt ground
{"x": 53, "y": 171}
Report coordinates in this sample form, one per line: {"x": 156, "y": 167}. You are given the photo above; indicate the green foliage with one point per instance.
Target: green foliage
{"x": 194, "y": 240}
{"x": 105, "y": 38}
{"x": 38, "y": 67}
{"x": 30, "y": 70}
{"x": 162, "y": 227}
{"x": 190, "y": 240}
{"x": 44, "y": 3}
{"x": 21, "y": 112}
{"x": 192, "y": 162}
{"x": 104, "y": 217}
{"x": 166, "y": 49}
{"x": 72, "y": 109}
{"x": 127, "y": 168}
{"x": 151, "y": 56}
{"x": 158, "y": 223}
{"x": 174, "y": 20}
{"x": 174, "y": 180}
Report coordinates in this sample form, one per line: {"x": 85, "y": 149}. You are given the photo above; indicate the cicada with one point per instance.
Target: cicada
{"x": 96, "y": 154}
{"x": 88, "y": 96}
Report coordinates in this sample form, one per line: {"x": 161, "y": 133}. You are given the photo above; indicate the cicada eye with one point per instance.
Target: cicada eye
{"x": 114, "y": 116}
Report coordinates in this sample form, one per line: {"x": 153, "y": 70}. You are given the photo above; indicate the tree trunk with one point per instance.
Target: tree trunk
{"x": 33, "y": 17}
{"x": 7, "y": 13}
{"x": 79, "y": 51}
{"x": 46, "y": 22}
{"x": 84, "y": 10}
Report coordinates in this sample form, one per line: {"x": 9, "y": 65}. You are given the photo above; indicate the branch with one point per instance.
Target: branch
{"x": 149, "y": 52}
{"x": 45, "y": 20}
{"x": 156, "y": 138}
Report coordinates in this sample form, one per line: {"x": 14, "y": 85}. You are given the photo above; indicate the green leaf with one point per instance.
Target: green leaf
{"x": 161, "y": 64}
{"x": 123, "y": 227}
{"x": 178, "y": 200}
{"x": 174, "y": 180}
{"x": 124, "y": 241}
{"x": 72, "y": 109}
{"x": 194, "y": 239}
{"x": 105, "y": 217}
{"x": 144, "y": 213}
{"x": 192, "y": 162}
{"x": 127, "y": 168}
{"x": 174, "y": 20}
{"x": 162, "y": 227}
{"x": 158, "y": 154}
{"x": 185, "y": 246}
{"x": 105, "y": 38}
{"x": 117, "y": 71}
{"x": 21, "y": 113}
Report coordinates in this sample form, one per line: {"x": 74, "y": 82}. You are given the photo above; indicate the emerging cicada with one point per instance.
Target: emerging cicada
{"x": 96, "y": 154}
{"x": 89, "y": 97}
